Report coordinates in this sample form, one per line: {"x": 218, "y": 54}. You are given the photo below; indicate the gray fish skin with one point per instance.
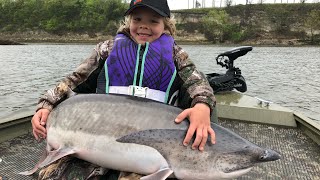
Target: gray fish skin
{"x": 230, "y": 154}
{"x": 133, "y": 134}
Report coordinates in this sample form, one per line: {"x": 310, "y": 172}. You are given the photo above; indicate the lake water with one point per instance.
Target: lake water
{"x": 288, "y": 76}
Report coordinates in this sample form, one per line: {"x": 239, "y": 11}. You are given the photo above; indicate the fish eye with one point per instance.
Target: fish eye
{"x": 261, "y": 157}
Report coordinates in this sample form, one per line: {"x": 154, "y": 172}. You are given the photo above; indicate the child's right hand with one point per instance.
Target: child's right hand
{"x": 38, "y": 121}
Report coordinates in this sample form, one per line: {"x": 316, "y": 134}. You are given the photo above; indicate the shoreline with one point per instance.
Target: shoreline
{"x": 191, "y": 38}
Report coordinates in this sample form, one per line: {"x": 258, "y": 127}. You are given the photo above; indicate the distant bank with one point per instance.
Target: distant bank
{"x": 181, "y": 38}
{"x": 252, "y": 24}
{"x": 44, "y": 37}
{"x": 9, "y": 42}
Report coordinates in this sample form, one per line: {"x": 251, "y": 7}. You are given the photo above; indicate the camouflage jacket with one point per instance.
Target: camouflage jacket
{"x": 195, "y": 86}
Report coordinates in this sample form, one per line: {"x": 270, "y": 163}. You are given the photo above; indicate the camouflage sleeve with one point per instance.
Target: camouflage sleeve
{"x": 59, "y": 93}
{"x": 194, "y": 81}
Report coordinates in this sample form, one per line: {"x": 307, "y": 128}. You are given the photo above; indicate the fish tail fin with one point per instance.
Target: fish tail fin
{"x": 49, "y": 157}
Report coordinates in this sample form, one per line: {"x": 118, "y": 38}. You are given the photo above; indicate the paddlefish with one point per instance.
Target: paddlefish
{"x": 133, "y": 134}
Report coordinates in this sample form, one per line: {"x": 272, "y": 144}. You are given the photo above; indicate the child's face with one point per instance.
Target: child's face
{"x": 146, "y": 25}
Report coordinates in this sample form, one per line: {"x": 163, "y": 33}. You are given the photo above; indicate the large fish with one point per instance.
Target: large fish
{"x": 137, "y": 135}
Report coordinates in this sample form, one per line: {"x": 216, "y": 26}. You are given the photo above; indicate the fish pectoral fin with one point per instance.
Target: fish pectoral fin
{"x": 50, "y": 157}
{"x": 56, "y": 155}
{"x": 162, "y": 174}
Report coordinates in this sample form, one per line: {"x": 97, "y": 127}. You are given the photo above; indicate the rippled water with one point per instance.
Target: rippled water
{"x": 288, "y": 76}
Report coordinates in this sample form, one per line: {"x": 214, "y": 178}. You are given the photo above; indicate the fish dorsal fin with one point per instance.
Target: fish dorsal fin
{"x": 50, "y": 157}
{"x": 162, "y": 174}
{"x": 168, "y": 142}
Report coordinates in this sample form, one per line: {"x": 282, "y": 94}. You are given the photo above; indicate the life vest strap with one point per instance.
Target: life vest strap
{"x": 144, "y": 92}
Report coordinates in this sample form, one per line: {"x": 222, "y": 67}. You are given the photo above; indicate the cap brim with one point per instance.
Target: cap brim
{"x": 145, "y": 5}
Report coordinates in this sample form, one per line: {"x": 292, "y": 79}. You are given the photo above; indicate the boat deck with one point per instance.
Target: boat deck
{"x": 300, "y": 155}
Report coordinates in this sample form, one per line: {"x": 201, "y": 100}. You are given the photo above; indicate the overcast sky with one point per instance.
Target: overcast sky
{"x": 183, "y": 4}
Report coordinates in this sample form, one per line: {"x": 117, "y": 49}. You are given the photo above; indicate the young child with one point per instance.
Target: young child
{"x": 143, "y": 60}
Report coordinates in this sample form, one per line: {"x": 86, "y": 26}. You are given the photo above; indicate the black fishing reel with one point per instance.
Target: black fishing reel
{"x": 232, "y": 79}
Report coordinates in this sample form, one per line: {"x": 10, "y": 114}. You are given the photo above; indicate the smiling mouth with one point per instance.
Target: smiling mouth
{"x": 143, "y": 35}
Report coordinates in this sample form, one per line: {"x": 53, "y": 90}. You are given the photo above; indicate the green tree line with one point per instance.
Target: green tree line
{"x": 253, "y": 21}
{"x": 230, "y": 24}
{"x": 61, "y": 16}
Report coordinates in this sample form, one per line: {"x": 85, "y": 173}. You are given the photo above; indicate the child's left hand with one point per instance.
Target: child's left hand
{"x": 199, "y": 117}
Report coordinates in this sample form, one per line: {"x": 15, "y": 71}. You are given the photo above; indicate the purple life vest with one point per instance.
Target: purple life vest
{"x": 127, "y": 65}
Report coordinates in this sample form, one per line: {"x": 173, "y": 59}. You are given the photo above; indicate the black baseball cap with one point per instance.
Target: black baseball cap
{"x": 160, "y": 6}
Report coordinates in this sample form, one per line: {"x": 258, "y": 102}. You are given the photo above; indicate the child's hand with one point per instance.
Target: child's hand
{"x": 38, "y": 121}
{"x": 199, "y": 117}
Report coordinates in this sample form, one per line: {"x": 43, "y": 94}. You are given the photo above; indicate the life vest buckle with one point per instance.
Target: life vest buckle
{"x": 138, "y": 91}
